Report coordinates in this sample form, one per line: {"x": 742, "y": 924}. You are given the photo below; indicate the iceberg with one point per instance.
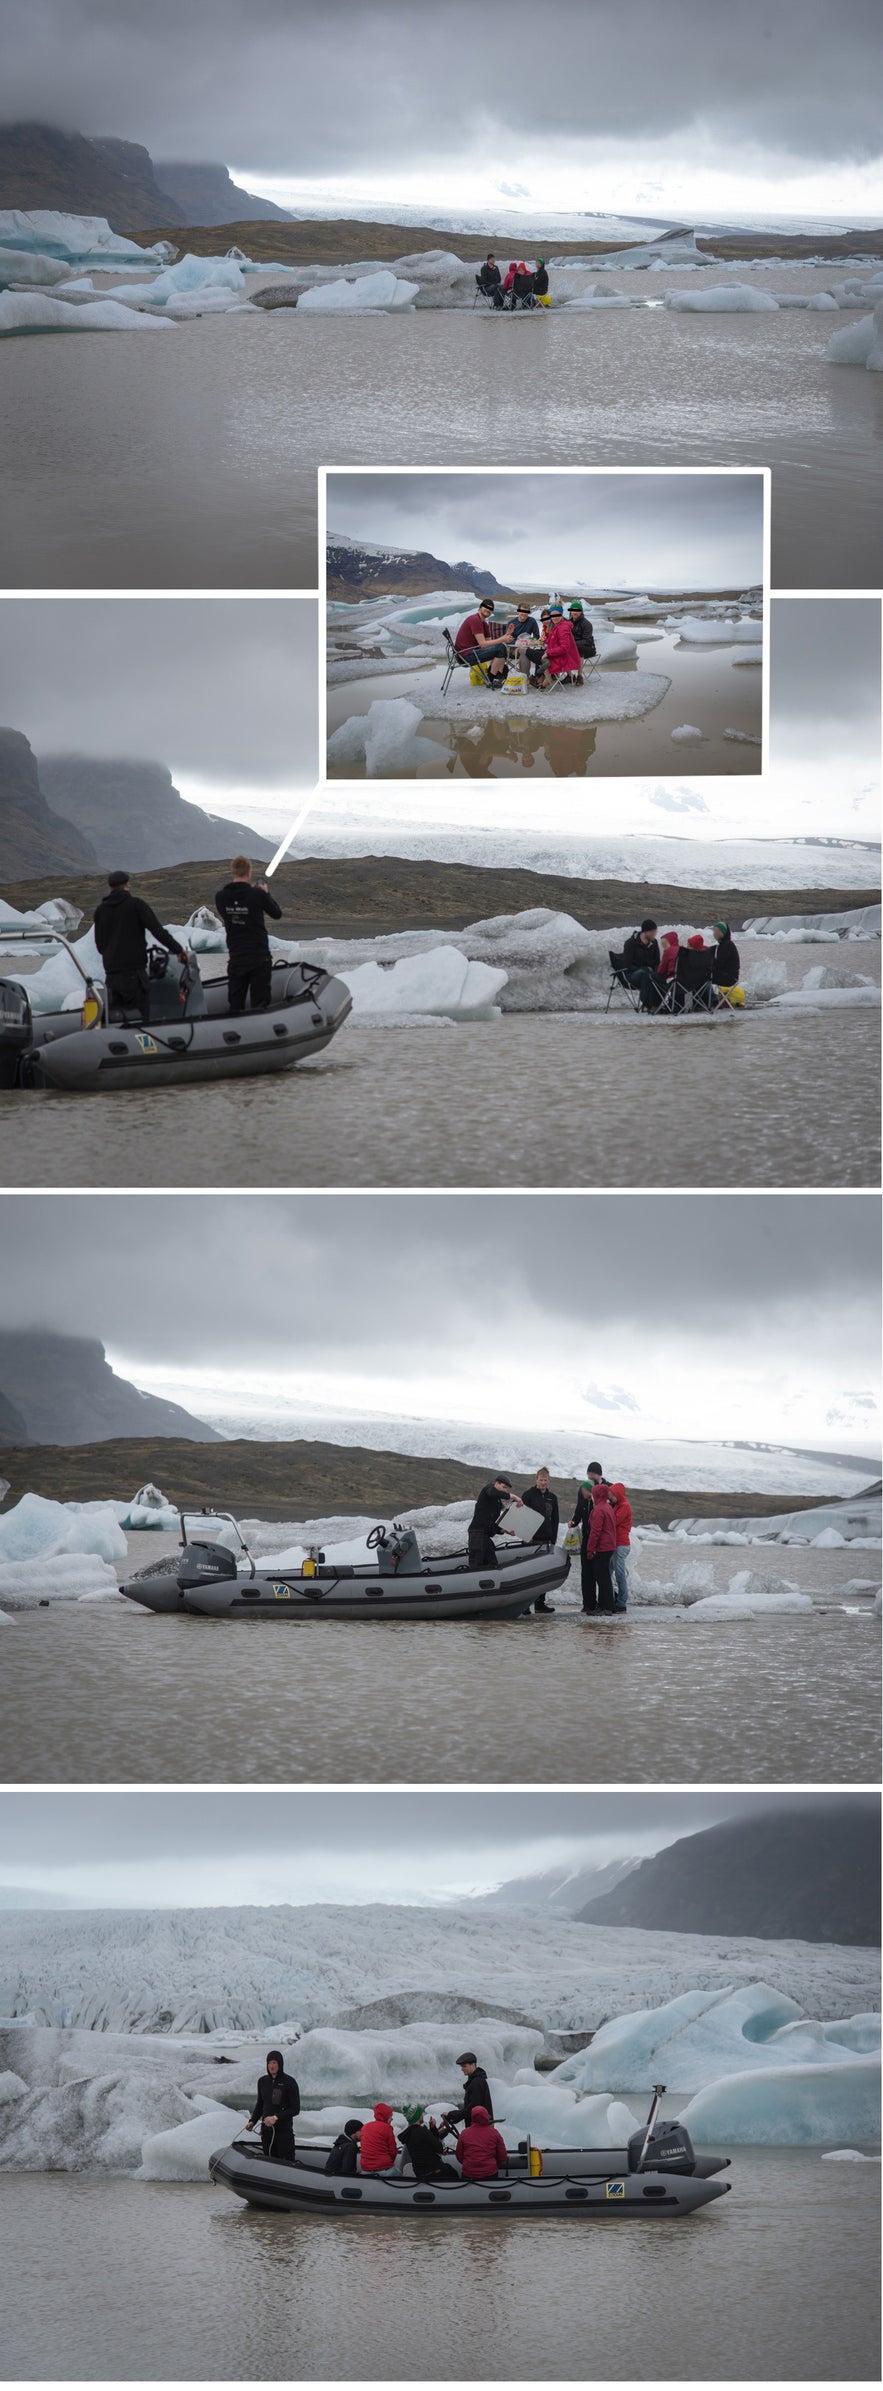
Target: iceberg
{"x": 700, "y": 2036}
{"x": 442, "y": 982}
{"x": 181, "y": 2153}
{"x": 687, "y": 730}
{"x": 57, "y": 1577}
{"x": 189, "y": 277}
{"x": 736, "y": 298}
{"x": 82, "y": 240}
{"x": 604, "y": 697}
{"x": 37, "y": 1528}
{"x": 859, "y": 344}
{"x": 35, "y": 311}
{"x": 372, "y": 292}
{"x": 696, "y": 631}
{"x": 416, "y": 2061}
{"x": 25, "y": 268}
{"x": 790, "y": 2105}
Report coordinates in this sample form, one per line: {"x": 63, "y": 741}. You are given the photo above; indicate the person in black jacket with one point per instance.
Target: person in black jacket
{"x": 541, "y": 279}
{"x": 423, "y": 2144}
{"x": 242, "y": 909}
{"x": 539, "y": 1497}
{"x": 489, "y": 280}
{"x": 726, "y": 957}
{"x": 121, "y": 925}
{"x": 476, "y": 2092}
{"x": 277, "y": 2104}
{"x": 582, "y": 630}
{"x": 640, "y": 956}
{"x": 522, "y": 288}
{"x": 343, "y": 2158}
{"x": 493, "y": 1500}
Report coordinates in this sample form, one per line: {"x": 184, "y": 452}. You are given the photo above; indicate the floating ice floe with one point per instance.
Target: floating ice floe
{"x": 207, "y": 280}
{"x": 82, "y": 240}
{"x": 864, "y": 2158}
{"x": 746, "y": 1602}
{"x": 57, "y": 1577}
{"x": 27, "y": 269}
{"x": 687, "y": 730}
{"x": 394, "y": 747}
{"x": 859, "y": 344}
{"x": 748, "y": 656}
{"x": 703, "y": 2035}
{"x": 790, "y": 2105}
{"x": 441, "y": 982}
{"x": 35, "y": 311}
{"x": 697, "y": 631}
{"x": 862, "y": 921}
{"x": 37, "y": 1527}
{"x": 826, "y": 999}
{"x": 372, "y": 293}
{"x": 726, "y": 298}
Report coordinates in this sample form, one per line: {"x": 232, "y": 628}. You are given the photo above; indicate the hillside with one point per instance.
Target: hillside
{"x": 812, "y": 1873}
{"x": 132, "y": 814}
{"x": 33, "y": 838}
{"x": 64, "y": 1387}
{"x": 41, "y": 167}
{"x": 346, "y": 240}
{"x": 357, "y": 569}
{"x": 209, "y": 196}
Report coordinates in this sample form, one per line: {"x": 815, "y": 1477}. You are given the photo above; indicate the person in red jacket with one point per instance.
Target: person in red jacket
{"x": 480, "y": 2149}
{"x": 668, "y": 961}
{"x": 598, "y": 1548}
{"x": 378, "y": 2148}
{"x": 562, "y": 653}
{"x": 622, "y": 1513}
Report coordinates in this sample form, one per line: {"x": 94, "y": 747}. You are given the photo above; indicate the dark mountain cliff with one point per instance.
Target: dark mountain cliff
{"x": 33, "y": 838}
{"x": 812, "y": 1874}
{"x": 64, "y": 1391}
{"x": 132, "y": 814}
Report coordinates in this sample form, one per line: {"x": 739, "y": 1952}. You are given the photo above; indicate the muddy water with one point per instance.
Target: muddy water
{"x": 188, "y": 459}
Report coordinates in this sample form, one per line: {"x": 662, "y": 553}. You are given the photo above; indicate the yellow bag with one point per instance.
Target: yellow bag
{"x": 477, "y": 677}
{"x": 735, "y": 995}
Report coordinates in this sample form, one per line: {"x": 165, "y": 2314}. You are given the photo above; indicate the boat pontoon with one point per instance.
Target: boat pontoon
{"x": 397, "y": 1583}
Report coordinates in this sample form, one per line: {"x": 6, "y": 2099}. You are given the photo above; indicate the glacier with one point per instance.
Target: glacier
{"x": 699, "y": 2036}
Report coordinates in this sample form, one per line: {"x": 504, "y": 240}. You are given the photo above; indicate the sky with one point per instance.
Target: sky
{"x": 151, "y": 1849}
{"x": 625, "y": 530}
{"x": 680, "y": 109}
{"x": 727, "y": 1316}
{"x": 222, "y": 690}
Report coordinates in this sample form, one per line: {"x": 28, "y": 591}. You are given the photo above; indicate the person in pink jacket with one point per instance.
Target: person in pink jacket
{"x": 622, "y": 1513}
{"x": 378, "y": 2148}
{"x": 480, "y": 2149}
{"x": 562, "y": 653}
{"x": 598, "y": 1551}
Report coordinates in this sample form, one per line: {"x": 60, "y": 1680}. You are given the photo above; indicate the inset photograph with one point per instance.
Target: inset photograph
{"x": 595, "y": 630}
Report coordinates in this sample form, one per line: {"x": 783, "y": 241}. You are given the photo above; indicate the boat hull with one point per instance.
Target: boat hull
{"x": 296, "y": 2187}
{"x": 211, "y": 1045}
{"x": 446, "y": 1589}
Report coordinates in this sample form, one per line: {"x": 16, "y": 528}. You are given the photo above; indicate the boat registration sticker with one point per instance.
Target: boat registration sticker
{"x": 282, "y": 1593}
{"x": 147, "y": 1045}
{"x": 615, "y": 2191}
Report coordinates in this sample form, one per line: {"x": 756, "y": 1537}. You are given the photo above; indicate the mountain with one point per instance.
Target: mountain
{"x": 65, "y": 1392}
{"x": 206, "y": 195}
{"x": 133, "y": 815}
{"x": 33, "y": 838}
{"x": 563, "y": 1890}
{"x": 810, "y": 1874}
{"x": 359, "y": 569}
{"x": 41, "y": 167}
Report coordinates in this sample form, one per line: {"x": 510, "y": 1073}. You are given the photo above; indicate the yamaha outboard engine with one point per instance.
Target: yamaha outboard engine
{"x": 397, "y": 1549}
{"x": 669, "y": 2146}
{"x": 199, "y": 1563}
{"x": 16, "y": 1031}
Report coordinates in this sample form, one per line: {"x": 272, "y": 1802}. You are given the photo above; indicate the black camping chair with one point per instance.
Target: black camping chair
{"x": 690, "y": 988}
{"x": 453, "y": 660}
{"x": 482, "y": 292}
{"x": 618, "y": 979}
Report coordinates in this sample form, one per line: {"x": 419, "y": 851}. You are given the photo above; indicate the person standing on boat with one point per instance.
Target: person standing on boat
{"x": 481, "y": 2150}
{"x": 378, "y": 2149}
{"x": 493, "y": 1500}
{"x": 476, "y": 2089}
{"x": 539, "y": 1497}
{"x": 622, "y": 1513}
{"x": 122, "y": 924}
{"x": 249, "y": 963}
{"x": 276, "y": 2104}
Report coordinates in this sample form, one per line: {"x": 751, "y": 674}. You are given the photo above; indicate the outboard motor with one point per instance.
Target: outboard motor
{"x": 174, "y": 991}
{"x": 397, "y": 1549}
{"x": 669, "y": 2146}
{"x": 16, "y": 1031}
{"x": 199, "y": 1564}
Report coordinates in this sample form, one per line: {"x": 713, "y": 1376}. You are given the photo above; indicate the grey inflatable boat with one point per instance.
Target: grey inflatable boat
{"x": 658, "y": 2175}
{"x": 188, "y": 1035}
{"x": 208, "y": 1579}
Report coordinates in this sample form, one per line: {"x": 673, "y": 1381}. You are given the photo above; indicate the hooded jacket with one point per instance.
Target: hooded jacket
{"x": 726, "y": 962}
{"x": 121, "y": 923}
{"x": 669, "y": 959}
{"x": 424, "y": 2146}
{"x": 622, "y": 1513}
{"x": 343, "y": 2157}
{"x": 561, "y": 648}
{"x": 601, "y": 1530}
{"x": 378, "y": 2147}
{"x": 276, "y": 2096}
{"x": 480, "y": 2149}
{"x": 476, "y": 2094}
{"x": 488, "y": 1511}
{"x": 637, "y": 956}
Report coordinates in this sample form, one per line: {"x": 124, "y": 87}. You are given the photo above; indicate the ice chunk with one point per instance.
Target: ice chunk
{"x": 80, "y": 239}
{"x": 549, "y": 2112}
{"x": 11, "y": 2085}
{"x": 373, "y": 291}
{"x": 443, "y": 981}
{"x": 181, "y": 2153}
{"x": 604, "y": 697}
{"x": 57, "y": 1577}
{"x": 416, "y": 2061}
{"x": 817, "y": 301}
{"x": 859, "y": 344}
{"x": 700, "y": 2035}
{"x": 865, "y": 2158}
{"x": 748, "y": 656}
{"x": 149, "y": 1509}
{"x": 37, "y": 1526}
{"x": 384, "y": 739}
{"x": 614, "y": 647}
{"x": 191, "y": 275}
{"x": 35, "y": 311}
{"x": 791, "y": 2105}
{"x": 748, "y": 1605}
{"x": 687, "y": 730}
{"x": 700, "y": 632}
{"x": 724, "y": 298}
{"x": 25, "y": 268}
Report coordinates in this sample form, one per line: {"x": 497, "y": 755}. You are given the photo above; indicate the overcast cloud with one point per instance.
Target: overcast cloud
{"x": 640, "y": 95}
{"x": 627, "y": 530}
{"x": 723, "y": 1316}
{"x": 151, "y": 1849}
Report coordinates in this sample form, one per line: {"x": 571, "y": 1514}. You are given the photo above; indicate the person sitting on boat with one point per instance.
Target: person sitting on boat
{"x": 562, "y": 653}
{"x": 276, "y": 2104}
{"x": 474, "y": 641}
{"x": 493, "y": 1500}
{"x": 522, "y": 287}
{"x": 726, "y": 964}
{"x": 249, "y": 963}
{"x": 583, "y": 632}
{"x": 539, "y": 1497}
{"x": 121, "y": 924}
{"x": 541, "y": 283}
{"x": 489, "y": 280}
{"x": 423, "y": 2145}
{"x": 343, "y": 2157}
{"x": 378, "y": 2149}
{"x": 475, "y": 2089}
{"x": 640, "y": 957}
{"x": 481, "y": 2150}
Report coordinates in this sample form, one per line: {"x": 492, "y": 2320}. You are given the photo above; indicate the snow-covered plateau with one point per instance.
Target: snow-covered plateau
{"x": 130, "y": 2036}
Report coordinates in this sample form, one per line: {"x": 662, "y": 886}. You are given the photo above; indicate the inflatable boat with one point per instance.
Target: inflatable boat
{"x": 189, "y": 1033}
{"x": 209, "y": 1580}
{"x": 658, "y": 2175}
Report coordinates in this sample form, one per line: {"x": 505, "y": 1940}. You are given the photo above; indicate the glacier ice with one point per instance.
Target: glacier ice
{"x": 384, "y": 739}
{"x": 790, "y": 2105}
{"x": 189, "y": 276}
{"x": 701, "y": 2036}
{"x": 419, "y": 2060}
{"x": 443, "y": 982}
{"x": 27, "y": 269}
{"x": 57, "y": 1577}
{"x": 82, "y": 240}
{"x": 36, "y": 311}
{"x": 696, "y": 631}
{"x": 749, "y": 655}
{"x": 604, "y": 697}
{"x": 737, "y": 298}
{"x": 687, "y": 730}
{"x": 371, "y": 292}
{"x": 38, "y": 1527}
{"x": 180, "y": 2153}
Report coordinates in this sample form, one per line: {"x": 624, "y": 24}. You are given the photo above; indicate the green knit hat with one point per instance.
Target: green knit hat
{"x": 413, "y": 2112}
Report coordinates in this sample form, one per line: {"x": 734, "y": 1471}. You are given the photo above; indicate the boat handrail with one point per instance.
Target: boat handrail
{"x": 28, "y": 935}
{"x": 212, "y": 1513}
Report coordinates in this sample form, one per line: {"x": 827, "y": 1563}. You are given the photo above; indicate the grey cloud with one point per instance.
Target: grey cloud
{"x": 217, "y": 688}
{"x": 282, "y": 89}
{"x": 825, "y": 678}
{"x": 668, "y": 530}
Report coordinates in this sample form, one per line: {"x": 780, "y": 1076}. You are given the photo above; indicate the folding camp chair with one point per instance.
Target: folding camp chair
{"x": 453, "y": 659}
{"x": 618, "y": 979}
{"x": 690, "y": 988}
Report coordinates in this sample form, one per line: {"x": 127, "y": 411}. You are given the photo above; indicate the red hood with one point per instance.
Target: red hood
{"x": 382, "y": 2112}
{"x": 479, "y": 2116}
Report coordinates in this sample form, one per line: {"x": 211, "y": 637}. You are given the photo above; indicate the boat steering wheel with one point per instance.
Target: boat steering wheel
{"x": 375, "y": 1537}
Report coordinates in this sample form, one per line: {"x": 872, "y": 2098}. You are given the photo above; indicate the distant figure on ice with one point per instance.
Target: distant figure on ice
{"x": 539, "y": 1497}
{"x": 475, "y": 2089}
{"x": 493, "y": 1500}
{"x": 249, "y": 963}
{"x": 343, "y": 2157}
{"x": 480, "y": 2149}
{"x": 121, "y": 923}
{"x": 489, "y": 280}
{"x": 541, "y": 283}
{"x": 277, "y": 2104}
